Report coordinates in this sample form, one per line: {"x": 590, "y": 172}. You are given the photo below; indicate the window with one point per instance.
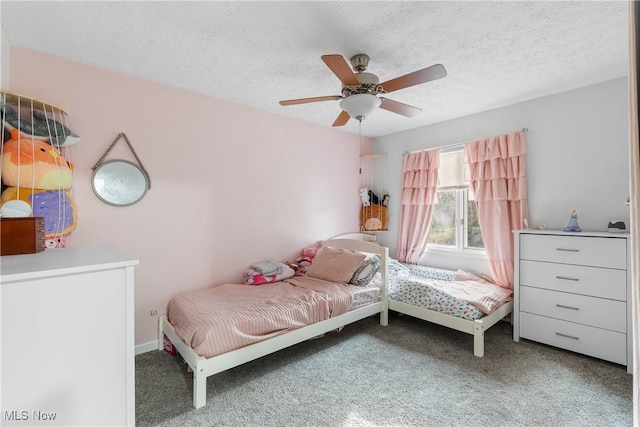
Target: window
{"x": 455, "y": 219}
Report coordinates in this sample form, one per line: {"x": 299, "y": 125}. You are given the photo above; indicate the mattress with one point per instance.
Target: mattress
{"x": 440, "y": 290}
{"x": 366, "y": 295}
{"x": 216, "y": 320}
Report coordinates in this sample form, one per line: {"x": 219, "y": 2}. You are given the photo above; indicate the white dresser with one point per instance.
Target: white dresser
{"x": 572, "y": 290}
{"x": 68, "y": 338}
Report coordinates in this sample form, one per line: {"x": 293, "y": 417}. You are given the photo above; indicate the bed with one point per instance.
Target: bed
{"x": 411, "y": 291}
{"x": 454, "y": 299}
{"x": 320, "y": 306}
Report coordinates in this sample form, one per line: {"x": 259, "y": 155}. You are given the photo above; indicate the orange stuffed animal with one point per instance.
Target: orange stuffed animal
{"x": 32, "y": 163}
{"x": 37, "y": 173}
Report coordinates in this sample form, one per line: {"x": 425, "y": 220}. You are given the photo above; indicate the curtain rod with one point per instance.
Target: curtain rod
{"x": 455, "y": 145}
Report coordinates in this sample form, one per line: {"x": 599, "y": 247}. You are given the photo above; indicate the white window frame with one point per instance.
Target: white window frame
{"x": 461, "y": 221}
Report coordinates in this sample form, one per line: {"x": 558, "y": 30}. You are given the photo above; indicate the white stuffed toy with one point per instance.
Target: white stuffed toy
{"x": 364, "y": 196}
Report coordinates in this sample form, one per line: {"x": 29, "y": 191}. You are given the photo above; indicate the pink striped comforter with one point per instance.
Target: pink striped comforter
{"x": 226, "y": 317}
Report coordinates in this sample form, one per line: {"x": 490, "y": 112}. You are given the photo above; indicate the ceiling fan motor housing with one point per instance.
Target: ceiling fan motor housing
{"x": 360, "y": 62}
{"x": 369, "y": 83}
{"x": 367, "y": 78}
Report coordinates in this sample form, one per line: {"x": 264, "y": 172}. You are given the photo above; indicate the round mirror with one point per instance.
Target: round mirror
{"x": 119, "y": 183}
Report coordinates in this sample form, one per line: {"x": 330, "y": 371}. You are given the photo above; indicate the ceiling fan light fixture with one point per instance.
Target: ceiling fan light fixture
{"x": 360, "y": 105}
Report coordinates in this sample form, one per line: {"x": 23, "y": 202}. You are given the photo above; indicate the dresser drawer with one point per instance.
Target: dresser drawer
{"x": 598, "y": 312}
{"x": 592, "y": 281}
{"x": 596, "y": 342}
{"x": 592, "y": 251}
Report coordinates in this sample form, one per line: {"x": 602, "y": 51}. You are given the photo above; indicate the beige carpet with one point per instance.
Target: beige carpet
{"x": 410, "y": 373}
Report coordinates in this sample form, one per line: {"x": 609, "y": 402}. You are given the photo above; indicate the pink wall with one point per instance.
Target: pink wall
{"x": 231, "y": 185}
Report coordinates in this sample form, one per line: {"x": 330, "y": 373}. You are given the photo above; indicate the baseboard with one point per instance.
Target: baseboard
{"x": 146, "y": 347}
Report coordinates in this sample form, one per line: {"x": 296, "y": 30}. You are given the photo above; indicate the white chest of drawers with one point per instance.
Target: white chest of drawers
{"x": 572, "y": 290}
{"x": 67, "y": 338}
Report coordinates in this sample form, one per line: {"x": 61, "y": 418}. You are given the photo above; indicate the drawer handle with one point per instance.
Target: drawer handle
{"x": 567, "y": 250}
{"x": 567, "y": 278}
{"x": 567, "y": 336}
{"x": 568, "y": 307}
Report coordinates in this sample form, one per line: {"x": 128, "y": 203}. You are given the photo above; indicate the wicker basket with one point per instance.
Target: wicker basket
{"x": 374, "y": 218}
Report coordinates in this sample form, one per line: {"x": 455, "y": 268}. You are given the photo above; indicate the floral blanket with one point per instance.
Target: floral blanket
{"x": 456, "y": 293}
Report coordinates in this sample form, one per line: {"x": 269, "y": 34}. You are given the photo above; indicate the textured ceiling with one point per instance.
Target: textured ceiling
{"x": 257, "y": 53}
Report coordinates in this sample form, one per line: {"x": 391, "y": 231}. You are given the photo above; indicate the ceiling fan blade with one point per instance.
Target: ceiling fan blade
{"x": 399, "y": 107}
{"x": 417, "y": 77}
{"x": 308, "y": 100}
{"x": 341, "y": 69}
{"x": 342, "y": 119}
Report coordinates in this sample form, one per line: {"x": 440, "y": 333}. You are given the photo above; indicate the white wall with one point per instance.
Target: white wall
{"x": 577, "y": 157}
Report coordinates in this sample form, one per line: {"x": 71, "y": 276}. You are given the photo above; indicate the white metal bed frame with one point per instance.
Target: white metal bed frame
{"x": 473, "y": 327}
{"x": 204, "y": 368}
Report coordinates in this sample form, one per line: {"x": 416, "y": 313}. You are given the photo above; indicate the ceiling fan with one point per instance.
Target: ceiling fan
{"x": 360, "y": 90}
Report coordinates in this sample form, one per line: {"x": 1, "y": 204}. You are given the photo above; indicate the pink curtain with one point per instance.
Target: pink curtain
{"x": 419, "y": 183}
{"x": 497, "y": 181}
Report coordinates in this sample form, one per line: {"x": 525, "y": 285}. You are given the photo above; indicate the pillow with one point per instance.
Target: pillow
{"x": 335, "y": 265}
{"x": 365, "y": 272}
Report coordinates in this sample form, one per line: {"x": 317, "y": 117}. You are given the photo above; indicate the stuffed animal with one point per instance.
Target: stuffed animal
{"x": 307, "y": 256}
{"x": 368, "y": 197}
{"x": 37, "y": 173}
{"x": 32, "y": 163}
{"x": 364, "y": 196}
{"x": 40, "y": 127}
{"x": 56, "y": 242}
{"x": 373, "y": 198}
{"x": 57, "y": 207}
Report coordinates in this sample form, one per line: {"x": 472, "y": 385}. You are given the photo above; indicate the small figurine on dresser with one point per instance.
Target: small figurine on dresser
{"x": 572, "y": 225}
